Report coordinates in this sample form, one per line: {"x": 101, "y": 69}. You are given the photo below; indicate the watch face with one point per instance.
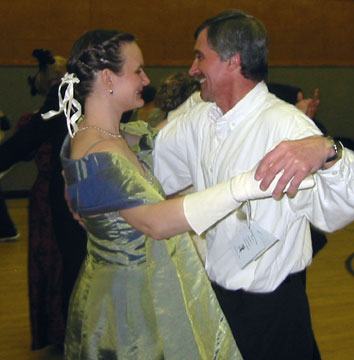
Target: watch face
{"x": 337, "y": 147}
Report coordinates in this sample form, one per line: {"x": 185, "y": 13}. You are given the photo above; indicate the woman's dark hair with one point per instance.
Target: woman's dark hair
{"x": 94, "y": 51}
{"x": 44, "y": 58}
{"x": 234, "y": 31}
{"x": 50, "y": 71}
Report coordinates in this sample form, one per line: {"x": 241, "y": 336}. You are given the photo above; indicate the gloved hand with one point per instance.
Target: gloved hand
{"x": 204, "y": 208}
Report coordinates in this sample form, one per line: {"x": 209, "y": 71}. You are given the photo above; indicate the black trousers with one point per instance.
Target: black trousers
{"x": 271, "y": 326}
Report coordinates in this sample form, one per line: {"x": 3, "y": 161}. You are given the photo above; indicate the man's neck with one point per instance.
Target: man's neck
{"x": 236, "y": 93}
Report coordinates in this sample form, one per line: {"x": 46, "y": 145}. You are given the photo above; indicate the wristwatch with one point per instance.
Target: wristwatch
{"x": 337, "y": 147}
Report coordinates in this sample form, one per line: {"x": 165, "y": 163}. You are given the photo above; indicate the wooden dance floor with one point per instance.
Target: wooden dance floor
{"x": 330, "y": 285}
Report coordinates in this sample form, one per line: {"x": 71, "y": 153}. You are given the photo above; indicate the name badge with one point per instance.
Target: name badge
{"x": 252, "y": 242}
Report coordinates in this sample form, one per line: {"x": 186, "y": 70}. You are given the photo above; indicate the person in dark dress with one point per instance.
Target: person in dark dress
{"x": 56, "y": 251}
{"x": 8, "y": 230}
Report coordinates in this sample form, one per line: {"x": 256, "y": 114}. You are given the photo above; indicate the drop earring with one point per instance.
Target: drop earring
{"x": 110, "y": 91}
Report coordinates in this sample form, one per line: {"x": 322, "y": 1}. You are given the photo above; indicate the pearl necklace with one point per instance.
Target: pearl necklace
{"x": 116, "y": 136}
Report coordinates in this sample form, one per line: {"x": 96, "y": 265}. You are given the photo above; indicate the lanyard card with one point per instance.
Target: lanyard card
{"x": 251, "y": 242}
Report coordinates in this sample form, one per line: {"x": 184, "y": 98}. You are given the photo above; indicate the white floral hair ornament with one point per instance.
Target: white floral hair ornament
{"x": 70, "y": 106}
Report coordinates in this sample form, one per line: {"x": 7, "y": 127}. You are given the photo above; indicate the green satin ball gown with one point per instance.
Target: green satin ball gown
{"x": 136, "y": 297}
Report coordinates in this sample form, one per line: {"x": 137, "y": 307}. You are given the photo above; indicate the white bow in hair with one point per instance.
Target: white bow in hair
{"x": 68, "y": 105}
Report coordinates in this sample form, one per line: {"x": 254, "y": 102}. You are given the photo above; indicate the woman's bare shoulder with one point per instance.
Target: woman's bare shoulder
{"x": 90, "y": 144}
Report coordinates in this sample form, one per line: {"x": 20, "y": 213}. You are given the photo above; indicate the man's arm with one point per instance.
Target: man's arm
{"x": 170, "y": 156}
{"x": 331, "y": 205}
{"x": 298, "y": 159}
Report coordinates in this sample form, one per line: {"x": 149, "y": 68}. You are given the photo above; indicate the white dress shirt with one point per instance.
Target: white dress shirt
{"x": 204, "y": 147}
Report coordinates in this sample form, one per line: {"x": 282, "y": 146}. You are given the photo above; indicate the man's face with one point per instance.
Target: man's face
{"x": 208, "y": 69}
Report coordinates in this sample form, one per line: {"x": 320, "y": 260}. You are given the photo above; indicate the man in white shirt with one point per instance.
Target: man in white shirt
{"x": 256, "y": 255}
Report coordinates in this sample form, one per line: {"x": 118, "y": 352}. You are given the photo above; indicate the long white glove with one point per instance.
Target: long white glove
{"x": 204, "y": 208}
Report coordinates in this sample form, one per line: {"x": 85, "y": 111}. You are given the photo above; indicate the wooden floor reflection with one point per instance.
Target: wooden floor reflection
{"x": 330, "y": 287}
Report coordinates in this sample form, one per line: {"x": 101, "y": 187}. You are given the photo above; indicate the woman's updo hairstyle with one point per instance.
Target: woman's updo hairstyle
{"x": 94, "y": 51}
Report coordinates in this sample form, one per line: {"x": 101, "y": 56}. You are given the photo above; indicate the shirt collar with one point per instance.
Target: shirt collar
{"x": 226, "y": 122}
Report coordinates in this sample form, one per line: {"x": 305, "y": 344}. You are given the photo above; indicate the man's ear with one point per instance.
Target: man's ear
{"x": 234, "y": 62}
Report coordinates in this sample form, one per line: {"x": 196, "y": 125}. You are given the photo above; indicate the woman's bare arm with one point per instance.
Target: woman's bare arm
{"x": 160, "y": 220}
